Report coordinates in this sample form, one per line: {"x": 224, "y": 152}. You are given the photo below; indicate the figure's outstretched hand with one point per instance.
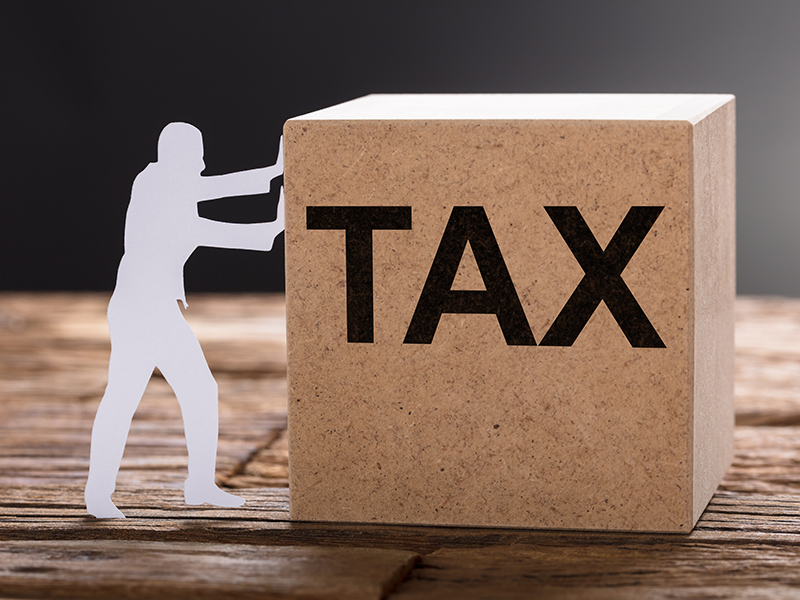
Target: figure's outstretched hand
{"x": 279, "y": 161}
{"x": 280, "y": 219}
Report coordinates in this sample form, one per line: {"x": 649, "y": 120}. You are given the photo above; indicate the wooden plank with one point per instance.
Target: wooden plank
{"x": 53, "y": 359}
{"x": 267, "y": 467}
{"x": 660, "y": 571}
{"x": 124, "y": 569}
{"x": 158, "y": 514}
{"x": 767, "y": 461}
{"x": 62, "y": 338}
{"x": 767, "y": 353}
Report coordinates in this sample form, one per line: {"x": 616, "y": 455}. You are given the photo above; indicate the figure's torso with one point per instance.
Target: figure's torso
{"x": 160, "y": 235}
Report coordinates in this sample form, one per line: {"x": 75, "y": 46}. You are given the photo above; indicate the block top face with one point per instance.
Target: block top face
{"x": 602, "y": 107}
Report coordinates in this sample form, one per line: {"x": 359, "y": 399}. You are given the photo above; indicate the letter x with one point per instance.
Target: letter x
{"x": 603, "y": 277}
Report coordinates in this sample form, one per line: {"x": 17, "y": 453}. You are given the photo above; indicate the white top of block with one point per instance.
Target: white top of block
{"x": 600, "y": 107}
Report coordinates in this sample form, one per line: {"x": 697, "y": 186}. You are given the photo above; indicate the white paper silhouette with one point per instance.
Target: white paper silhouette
{"x": 162, "y": 229}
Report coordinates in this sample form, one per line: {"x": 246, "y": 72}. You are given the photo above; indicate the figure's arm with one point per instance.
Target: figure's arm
{"x": 242, "y": 183}
{"x": 250, "y": 236}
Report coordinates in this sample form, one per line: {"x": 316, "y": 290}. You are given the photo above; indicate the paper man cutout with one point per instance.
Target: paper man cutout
{"x": 162, "y": 229}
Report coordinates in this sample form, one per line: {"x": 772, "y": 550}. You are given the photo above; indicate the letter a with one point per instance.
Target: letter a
{"x": 469, "y": 224}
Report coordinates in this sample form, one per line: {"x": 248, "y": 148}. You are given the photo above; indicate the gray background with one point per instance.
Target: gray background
{"x": 87, "y": 86}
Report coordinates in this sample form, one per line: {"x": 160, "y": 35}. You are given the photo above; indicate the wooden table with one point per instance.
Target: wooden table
{"x": 53, "y": 357}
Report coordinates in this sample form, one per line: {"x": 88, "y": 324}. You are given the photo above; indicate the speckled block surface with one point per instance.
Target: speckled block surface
{"x": 511, "y": 311}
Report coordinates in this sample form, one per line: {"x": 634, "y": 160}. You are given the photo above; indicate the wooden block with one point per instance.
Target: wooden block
{"x": 511, "y": 310}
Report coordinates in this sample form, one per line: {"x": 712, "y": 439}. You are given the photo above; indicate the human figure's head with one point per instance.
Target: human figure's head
{"x": 180, "y": 147}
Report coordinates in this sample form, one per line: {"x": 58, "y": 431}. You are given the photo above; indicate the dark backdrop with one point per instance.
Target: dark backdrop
{"x": 87, "y": 86}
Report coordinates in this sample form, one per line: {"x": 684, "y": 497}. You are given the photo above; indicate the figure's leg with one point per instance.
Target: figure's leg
{"x": 128, "y": 374}
{"x": 187, "y": 372}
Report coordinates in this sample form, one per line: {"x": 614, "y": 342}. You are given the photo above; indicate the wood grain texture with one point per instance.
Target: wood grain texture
{"x": 53, "y": 353}
{"x": 767, "y": 359}
{"x": 663, "y": 570}
{"x": 53, "y": 360}
{"x": 125, "y": 569}
{"x": 31, "y": 513}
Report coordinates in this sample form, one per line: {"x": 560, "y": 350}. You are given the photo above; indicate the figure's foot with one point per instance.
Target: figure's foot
{"x": 209, "y": 493}
{"x": 103, "y": 508}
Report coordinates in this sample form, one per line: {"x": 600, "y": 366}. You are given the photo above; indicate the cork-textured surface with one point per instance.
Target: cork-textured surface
{"x": 468, "y": 430}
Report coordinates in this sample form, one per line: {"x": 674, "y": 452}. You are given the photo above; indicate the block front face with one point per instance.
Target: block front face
{"x": 478, "y": 426}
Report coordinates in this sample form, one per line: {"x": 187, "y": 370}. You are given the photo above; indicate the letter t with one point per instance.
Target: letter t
{"x": 358, "y": 223}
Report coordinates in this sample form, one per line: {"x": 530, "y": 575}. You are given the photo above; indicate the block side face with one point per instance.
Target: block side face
{"x": 715, "y": 285}
{"x": 468, "y": 430}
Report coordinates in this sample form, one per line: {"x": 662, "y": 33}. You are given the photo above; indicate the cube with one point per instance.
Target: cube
{"x": 511, "y": 310}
